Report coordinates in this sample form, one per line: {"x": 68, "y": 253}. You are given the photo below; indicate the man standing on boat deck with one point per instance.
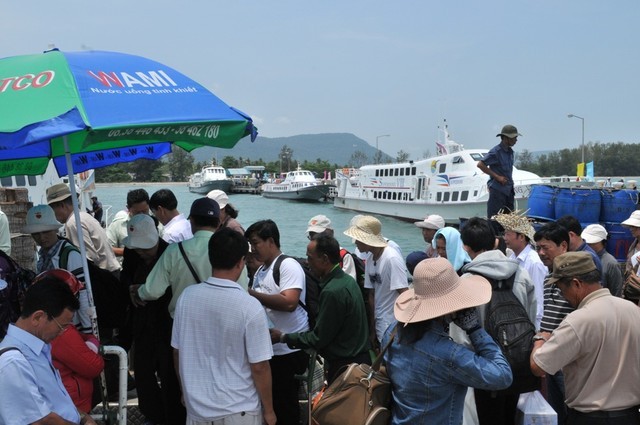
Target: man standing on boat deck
{"x": 498, "y": 164}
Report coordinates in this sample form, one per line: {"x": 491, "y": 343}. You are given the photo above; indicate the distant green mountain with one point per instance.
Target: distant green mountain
{"x": 336, "y": 148}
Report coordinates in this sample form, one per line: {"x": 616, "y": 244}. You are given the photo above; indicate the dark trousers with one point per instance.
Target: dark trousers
{"x": 336, "y": 367}
{"x": 496, "y": 409}
{"x": 622, "y": 417}
{"x": 285, "y": 385}
{"x": 156, "y": 380}
{"x": 555, "y": 396}
{"x": 498, "y": 201}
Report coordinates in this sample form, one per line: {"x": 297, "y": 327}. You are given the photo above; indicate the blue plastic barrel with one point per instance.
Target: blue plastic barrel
{"x": 583, "y": 204}
{"x": 617, "y": 205}
{"x": 619, "y": 240}
{"x": 542, "y": 202}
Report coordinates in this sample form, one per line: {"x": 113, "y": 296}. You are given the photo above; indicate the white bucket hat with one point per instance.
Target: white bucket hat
{"x": 41, "y": 218}
{"x": 433, "y": 221}
{"x": 219, "y": 196}
{"x": 367, "y": 229}
{"x": 633, "y": 220}
{"x": 438, "y": 290}
{"x": 594, "y": 233}
{"x": 141, "y": 232}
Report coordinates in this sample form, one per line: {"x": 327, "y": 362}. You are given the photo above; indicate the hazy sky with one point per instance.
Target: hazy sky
{"x": 373, "y": 68}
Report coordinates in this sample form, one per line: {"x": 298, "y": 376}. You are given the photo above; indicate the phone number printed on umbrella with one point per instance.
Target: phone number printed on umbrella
{"x": 206, "y": 131}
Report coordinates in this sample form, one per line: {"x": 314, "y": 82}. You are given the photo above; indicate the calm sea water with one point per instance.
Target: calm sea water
{"x": 290, "y": 216}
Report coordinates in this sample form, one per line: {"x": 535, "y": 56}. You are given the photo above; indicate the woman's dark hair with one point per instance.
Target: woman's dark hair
{"x": 412, "y": 332}
{"x": 230, "y": 211}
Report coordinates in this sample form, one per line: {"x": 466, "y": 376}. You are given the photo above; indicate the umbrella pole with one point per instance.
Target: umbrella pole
{"x": 85, "y": 268}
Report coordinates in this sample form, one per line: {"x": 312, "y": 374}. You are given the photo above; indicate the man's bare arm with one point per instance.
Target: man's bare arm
{"x": 261, "y": 374}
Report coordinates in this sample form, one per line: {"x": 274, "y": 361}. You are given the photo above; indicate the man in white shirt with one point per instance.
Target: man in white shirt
{"x": 385, "y": 272}
{"x": 221, "y": 343}
{"x": 518, "y": 236}
{"x": 164, "y": 206}
{"x": 281, "y": 301}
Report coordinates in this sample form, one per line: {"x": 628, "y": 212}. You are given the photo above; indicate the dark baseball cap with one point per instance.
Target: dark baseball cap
{"x": 205, "y": 207}
{"x": 570, "y": 265}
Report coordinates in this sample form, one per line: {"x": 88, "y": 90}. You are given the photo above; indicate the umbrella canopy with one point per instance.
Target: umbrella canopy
{"x": 110, "y": 107}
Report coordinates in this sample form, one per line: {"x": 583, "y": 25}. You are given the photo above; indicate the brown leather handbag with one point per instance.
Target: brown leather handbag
{"x": 361, "y": 395}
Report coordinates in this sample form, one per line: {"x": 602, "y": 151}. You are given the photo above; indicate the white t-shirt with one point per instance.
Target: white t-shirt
{"x": 291, "y": 277}
{"x": 385, "y": 276}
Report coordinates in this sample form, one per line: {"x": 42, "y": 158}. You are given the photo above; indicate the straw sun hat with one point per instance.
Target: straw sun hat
{"x": 516, "y": 222}
{"x": 438, "y": 290}
{"x": 367, "y": 229}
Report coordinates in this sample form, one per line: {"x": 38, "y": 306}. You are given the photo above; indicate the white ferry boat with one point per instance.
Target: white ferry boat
{"x": 450, "y": 185}
{"x": 209, "y": 178}
{"x": 298, "y": 185}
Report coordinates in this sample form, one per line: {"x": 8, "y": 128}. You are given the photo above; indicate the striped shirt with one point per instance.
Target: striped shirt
{"x": 556, "y": 307}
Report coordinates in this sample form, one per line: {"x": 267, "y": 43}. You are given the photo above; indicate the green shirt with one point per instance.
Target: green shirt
{"x": 341, "y": 329}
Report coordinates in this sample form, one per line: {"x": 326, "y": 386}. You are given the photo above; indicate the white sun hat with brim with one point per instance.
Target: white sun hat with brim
{"x": 41, "y": 218}
{"x": 633, "y": 220}
{"x": 367, "y": 229}
{"x": 438, "y": 290}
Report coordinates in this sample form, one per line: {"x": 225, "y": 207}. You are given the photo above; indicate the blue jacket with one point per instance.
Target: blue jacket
{"x": 430, "y": 376}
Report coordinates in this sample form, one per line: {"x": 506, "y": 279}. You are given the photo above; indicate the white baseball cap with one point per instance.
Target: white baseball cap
{"x": 432, "y": 221}
{"x": 319, "y": 224}
{"x": 219, "y": 196}
{"x": 594, "y": 233}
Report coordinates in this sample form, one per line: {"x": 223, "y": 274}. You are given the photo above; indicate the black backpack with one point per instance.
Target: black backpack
{"x": 360, "y": 265}
{"x": 15, "y": 281}
{"x": 311, "y": 302}
{"x": 110, "y": 296}
{"x": 507, "y": 321}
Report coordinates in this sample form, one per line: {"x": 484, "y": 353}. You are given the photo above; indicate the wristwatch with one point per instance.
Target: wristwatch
{"x": 282, "y": 337}
{"x": 540, "y": 338}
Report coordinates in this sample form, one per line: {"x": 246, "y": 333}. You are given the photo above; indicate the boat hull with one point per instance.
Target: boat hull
{"x": 207, "y": 187}
{"x": 452, "y": 213}
{"x": 306, "y": 194}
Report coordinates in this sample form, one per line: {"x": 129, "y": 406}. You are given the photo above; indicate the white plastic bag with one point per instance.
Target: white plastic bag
{"x": 533, "y": 409}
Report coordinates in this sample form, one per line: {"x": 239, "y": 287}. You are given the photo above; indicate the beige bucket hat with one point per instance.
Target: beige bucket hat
{"x": 368, "y": 230}
{"x": 438, "y": 290}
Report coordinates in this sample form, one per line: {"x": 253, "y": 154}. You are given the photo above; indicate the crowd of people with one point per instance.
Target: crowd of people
{"x": 220, "y": 321}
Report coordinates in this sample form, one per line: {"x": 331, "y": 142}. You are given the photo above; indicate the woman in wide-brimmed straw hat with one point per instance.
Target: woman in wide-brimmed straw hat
{"x": 429, "y": 372}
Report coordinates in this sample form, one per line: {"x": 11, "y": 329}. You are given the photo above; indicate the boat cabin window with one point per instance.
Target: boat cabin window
{"x": 396, "y": 172}
{"x": 464, "y": 195}
{"x": 477, "y": 156}
{"x": 21, "y": 181}
{"x": 439, "y": 197}
{"x": 446, "y": 197}
{"x": 402, "y": 171}
{"x": 454, "y": 196}
{"x": 413, "y": 171}
{"x": 458, "y": 160}
{"x": 443, "y": 168}
{"x": 6, "y": 181}
{"x": 32, "y": 180}
{"x": 475, "y": 193}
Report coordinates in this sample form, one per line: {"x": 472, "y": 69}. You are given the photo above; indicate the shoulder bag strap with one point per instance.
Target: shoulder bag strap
{"x": 5, "y": 349}
{"x": 378, "y": 361}
{"x": 186, "y": 260}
